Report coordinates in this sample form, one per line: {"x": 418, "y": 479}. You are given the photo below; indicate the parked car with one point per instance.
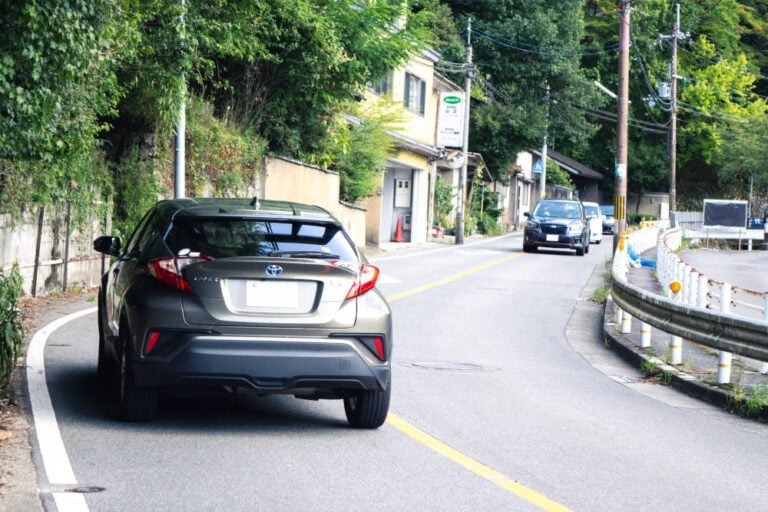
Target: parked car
{"x": 558, "y": 223}
{"x": 608, "y": 220}
{"x": 268, "y": 296}
{"x": 595, "y": 218}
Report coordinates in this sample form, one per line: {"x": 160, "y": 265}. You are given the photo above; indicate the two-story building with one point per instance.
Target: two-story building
{"x": 405, "y": 193}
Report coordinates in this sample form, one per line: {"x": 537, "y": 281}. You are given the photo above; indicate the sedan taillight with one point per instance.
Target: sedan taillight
{"x": 168, "y": 271}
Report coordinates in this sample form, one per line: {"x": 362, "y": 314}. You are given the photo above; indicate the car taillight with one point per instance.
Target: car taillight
{"x": 367, "y": 275}
{"x": 376, "y": 345}
{"x": 151, "y": 343}
{"x": 168, "y": 271}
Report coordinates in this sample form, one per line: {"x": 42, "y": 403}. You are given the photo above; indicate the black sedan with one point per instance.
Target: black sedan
{"x": 557, "y": 223}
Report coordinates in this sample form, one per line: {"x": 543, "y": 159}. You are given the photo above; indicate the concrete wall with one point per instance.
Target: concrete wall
{"x": 18, "y": 241}
{"x": 281, "y": 179}
{"x": 656, "y": 204}
{"x": 290, "y": 180}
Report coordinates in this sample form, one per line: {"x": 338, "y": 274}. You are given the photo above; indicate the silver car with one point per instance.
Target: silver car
{"x": 267, "y": 296}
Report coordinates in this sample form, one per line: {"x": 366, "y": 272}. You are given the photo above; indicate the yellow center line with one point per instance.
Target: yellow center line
{"x": 452, "y": 454}
{"x": 455, "y": 277}
{"x": 474, "y": 466}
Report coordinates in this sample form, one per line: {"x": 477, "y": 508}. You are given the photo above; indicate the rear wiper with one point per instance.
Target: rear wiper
{"x": 304, "y": 254}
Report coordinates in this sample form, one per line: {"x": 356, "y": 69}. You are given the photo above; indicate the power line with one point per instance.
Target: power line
{"x": 528, "y": 48}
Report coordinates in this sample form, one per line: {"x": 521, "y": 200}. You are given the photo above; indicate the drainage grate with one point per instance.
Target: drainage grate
{"x": 451, "y": 367}
{"x": 86, "y": 489}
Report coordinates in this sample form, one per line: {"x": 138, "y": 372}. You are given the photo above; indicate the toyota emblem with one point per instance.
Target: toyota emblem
{"x": 274, "y": 270}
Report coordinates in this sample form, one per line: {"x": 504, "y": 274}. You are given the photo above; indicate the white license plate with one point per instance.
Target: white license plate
{"x": 553, "y": 238}
{"x": 272, "y": 294}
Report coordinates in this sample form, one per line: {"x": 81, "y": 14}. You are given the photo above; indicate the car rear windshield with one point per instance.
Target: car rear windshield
{"x": 607, "y": 209}
{"x": 591, "y": 210}
{"x": 222, "y": 238}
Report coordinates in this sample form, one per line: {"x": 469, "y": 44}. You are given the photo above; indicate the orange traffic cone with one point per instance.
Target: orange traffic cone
{"x": 398, "y": 231}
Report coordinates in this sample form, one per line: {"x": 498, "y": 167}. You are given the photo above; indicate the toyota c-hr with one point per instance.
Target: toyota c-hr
{"x": 268, "y": 296}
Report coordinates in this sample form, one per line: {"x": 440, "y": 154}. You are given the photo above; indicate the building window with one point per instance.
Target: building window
{"x": 526, "y": 194}
{"x": 415, "y": 94}
{"x": 383, "y": 86}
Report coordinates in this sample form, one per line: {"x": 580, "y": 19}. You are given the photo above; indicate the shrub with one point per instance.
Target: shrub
{"x": 11, "y": 327}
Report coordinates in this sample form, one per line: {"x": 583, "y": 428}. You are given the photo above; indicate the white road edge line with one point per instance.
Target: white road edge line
{"x": 58, "y": 469}
{"x": 442, "y": 249}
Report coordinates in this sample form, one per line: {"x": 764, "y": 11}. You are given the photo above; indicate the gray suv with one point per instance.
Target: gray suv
{"x": 268, "y": 296}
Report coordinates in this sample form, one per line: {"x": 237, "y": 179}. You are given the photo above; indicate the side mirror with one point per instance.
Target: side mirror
{"x": 526, "y": 214}
{"x": 109, "y": 245}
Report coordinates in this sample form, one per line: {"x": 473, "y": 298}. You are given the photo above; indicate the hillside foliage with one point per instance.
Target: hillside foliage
{"x": 90, "y": 91}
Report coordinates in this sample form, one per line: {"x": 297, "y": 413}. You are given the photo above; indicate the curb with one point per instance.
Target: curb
{"x": 678, "y": 379}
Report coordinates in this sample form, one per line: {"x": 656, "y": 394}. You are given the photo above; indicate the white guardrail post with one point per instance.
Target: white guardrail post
{"x": 693, "y": 319}
{"x": 764, "y": 365}
{"x": 676, "y": 342}
{"x": 724, "y": 358}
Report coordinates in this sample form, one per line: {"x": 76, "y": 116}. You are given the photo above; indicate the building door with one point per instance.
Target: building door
{"x": 402, "y": 208}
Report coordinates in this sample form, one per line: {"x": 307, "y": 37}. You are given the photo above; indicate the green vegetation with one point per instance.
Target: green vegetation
{"x": 90, "y": 91}
{"x": 556, "y": 175}
{"x": 600, "y": 295}
{"x": 756, "y": 400}
{"x": 11, "y": 328}
{"x": 445, "y": 199}
{"x": 650, "y": 368}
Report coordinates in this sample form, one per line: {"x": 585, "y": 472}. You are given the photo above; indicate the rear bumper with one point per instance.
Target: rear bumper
{"x": 322, "y": 367}
{"x": 539, "y": 239}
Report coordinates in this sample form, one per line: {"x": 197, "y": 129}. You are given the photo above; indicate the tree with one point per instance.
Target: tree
{"x": 744, "y": 172}
{"x": 520, "y": 48}
{"x": 716, "y": 88}
{"x": 315, "y": 58}
{"x": 56, "y": 75}
{"x": 57, "y": 85}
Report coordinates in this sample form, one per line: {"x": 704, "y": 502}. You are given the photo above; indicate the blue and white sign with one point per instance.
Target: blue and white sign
{"x": 538, "y": 167}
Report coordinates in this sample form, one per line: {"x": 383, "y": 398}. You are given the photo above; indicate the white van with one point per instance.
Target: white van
{"x": 595, "y": 218}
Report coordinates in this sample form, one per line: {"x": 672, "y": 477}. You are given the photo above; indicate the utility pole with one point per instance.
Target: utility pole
{"x": 465, "y": 147}
{"x": 179, "y": 175}
{"x": 543, "y": 177}
{"x": 675, "y": 37}
{"x": 622, "y": 123}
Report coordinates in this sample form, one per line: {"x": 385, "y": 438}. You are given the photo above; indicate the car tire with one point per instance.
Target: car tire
{"x": 529, "y": 248}
{"x": 586, "y": 247}
{"x": 580, "y": 251}
{"x": 137, "y": 404}
{"x": 368, "y": 409}
{"x": 106, "y": 368}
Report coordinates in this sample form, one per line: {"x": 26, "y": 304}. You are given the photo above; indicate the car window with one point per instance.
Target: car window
{"x": 591, "y": 210}
{"x": 607, "y": 209}
{"x": 155, "y": 229}
{"x": 561, "y": 210}
{"x": 221, "y": 238}
{"x": 133, "y": 241}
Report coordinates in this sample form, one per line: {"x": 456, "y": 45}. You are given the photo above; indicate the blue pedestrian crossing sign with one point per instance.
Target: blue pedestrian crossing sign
{"x": 538, "y": 167}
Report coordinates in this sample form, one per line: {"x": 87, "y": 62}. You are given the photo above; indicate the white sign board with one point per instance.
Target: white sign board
{"x": 450, "y": 120}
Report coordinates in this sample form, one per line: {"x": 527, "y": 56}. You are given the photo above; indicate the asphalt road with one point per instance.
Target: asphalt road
{"x": 504, "y": 399}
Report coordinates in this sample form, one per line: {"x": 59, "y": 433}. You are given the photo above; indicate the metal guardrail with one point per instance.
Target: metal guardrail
{"x": 726, "y": 332}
